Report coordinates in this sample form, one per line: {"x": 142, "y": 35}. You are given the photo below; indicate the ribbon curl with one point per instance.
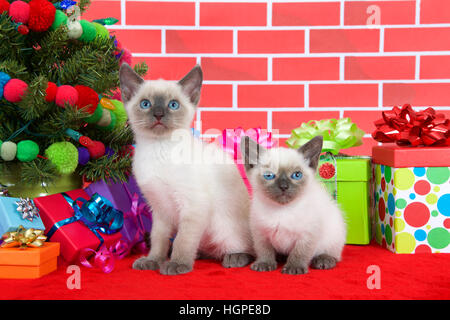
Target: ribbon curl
{"x": 24, "y": 238}
{"x": 105, "y": 258}
{"x": 97, "y": 213}
{"x": 407, "y": 127}
{"x": 337, "y": 134}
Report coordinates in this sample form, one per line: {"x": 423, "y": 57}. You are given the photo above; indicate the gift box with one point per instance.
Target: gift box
{"x": 11, "y": 219}
{"x": 348, "y": 180}
{"x": 412, "y": 198}
{"x": 127, "y": 198}
{"x": 74, "y": 236}
{"x": 412, "y": 180}
{"x": 28, "y": 263}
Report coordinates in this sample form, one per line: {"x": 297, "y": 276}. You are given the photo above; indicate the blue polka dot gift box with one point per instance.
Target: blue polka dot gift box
{"x": 411, "y": 211}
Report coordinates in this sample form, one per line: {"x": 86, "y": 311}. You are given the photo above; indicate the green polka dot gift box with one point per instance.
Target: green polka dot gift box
{"x": 412, "y": 198}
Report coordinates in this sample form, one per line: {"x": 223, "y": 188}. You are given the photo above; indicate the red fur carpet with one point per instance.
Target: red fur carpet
{"x": 420, "y": 276}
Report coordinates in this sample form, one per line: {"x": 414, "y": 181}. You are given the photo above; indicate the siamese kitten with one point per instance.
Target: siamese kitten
{"x": 205, "y": 203}
{"x": 291, "y": 213}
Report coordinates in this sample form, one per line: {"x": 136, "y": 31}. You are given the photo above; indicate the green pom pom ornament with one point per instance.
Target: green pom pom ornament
{"x": 102, "y": 32}
{"x": 96, "y": 116}
{"x": 8, "y": 151}
{"x": 121, "y": 114}
{"x": 89, "y": 31}
{"x": 64, "y": 156}
{"x": 60, "y": 19}
{"x": 27, "y": 150}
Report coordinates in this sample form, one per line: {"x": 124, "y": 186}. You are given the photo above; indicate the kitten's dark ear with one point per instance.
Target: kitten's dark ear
{"x": 251, "y": 152}
{"x": 192, "y": 84}
{"x": 129, "y": 82}
{"x": 311, "y": 151}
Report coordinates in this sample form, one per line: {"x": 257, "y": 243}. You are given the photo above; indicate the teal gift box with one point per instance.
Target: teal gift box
{"x": 11, "y": 219}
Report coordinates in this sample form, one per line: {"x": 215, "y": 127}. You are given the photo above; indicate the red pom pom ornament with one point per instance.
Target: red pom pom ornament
{"x": 87, "y": 97}
{"x": 19, "y": 11}
{"x": 42, "y": 15}
{"x": 14, "y": 90}
{"x": 66, "y": 94}
{"x": 4, "y": 6}
{"x": 50, "y": 92}
{"x": 96, "y": 149}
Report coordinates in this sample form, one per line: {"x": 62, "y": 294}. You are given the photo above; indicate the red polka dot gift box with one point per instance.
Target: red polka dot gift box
{"x": 412, "y": 181}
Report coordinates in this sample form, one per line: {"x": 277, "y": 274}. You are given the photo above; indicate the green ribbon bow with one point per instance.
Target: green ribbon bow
{"x": 337, "y": 134}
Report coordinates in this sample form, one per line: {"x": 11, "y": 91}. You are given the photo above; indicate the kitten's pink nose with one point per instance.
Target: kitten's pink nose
{"x": 159, "y": 117}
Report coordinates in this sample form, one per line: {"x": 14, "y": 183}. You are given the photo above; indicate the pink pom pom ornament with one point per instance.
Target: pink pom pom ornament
{"x": 19, "y": 12}
{"x": 66, "y": 94}
{"x": 14, "y": 90}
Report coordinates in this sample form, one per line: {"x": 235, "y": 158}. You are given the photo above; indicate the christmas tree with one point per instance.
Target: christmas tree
{"x": 59, "y": 110}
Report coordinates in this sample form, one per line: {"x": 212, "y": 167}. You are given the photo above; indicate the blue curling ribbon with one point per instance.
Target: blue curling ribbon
{"x": 64, "y": 5}
{"x": 97, "y": 213}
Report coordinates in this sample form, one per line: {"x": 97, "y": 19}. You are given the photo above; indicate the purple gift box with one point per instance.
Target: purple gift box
{"x": 127, "y": 198}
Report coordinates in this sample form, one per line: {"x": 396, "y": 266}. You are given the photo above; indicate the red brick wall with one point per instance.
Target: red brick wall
{"x": 276, "y": 64}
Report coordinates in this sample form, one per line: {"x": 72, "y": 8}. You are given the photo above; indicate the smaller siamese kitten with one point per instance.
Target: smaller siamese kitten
{"x": 291, "y": 212}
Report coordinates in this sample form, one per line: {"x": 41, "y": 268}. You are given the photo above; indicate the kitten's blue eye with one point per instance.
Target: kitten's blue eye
{"x": 174, "y": 105}
{"x": 269, "y": 176}
{"x": 145, "y": 104}
{"x": 297, "y": 175}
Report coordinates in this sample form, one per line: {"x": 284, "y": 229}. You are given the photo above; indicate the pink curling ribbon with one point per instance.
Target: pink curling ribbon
{"x": 105, "y": 258}
{"x": 137, "y": 210}
{"x": 230, "y": 139}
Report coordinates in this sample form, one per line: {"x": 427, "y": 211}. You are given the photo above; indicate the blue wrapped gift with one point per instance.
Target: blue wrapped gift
{"x": 11, "y": 218}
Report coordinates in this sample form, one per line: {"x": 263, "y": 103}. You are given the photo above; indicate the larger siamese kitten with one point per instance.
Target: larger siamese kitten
{"x": 206, "y": 203}
{"x": 291, "y": 212}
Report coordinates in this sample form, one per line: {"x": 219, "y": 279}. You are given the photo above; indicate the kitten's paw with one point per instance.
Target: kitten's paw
{"x": 172, "y": 268}
{"x": 294, "y": 269}
{"x": 144, "y": 263}
{"x": 323, "y": 261}
{"x": 263, "y": 266}
{"x": 236, "y": 260}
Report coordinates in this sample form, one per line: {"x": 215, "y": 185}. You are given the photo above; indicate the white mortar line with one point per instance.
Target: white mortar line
{"x": 197, "y": 13}
{"x": 257, "y": 28}
{"x": 311, "y": 109}
{"x": 417, "y": 12}
{"x": 123, "y": 12}
{"x": 298, "y": 55}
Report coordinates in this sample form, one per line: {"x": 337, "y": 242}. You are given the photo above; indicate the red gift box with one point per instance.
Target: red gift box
{"x": 404, "y": 157}
{"x": 75, "y": 236}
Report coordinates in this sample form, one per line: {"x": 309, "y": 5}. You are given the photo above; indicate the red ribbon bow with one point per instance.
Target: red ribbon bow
{"x": 407, "y": 127}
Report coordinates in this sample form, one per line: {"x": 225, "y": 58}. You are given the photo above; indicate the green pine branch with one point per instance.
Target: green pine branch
{"x": 116, "y": 168}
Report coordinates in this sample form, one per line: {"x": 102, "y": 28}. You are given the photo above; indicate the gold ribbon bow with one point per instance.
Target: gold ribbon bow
{"x": 24, "y": 238}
